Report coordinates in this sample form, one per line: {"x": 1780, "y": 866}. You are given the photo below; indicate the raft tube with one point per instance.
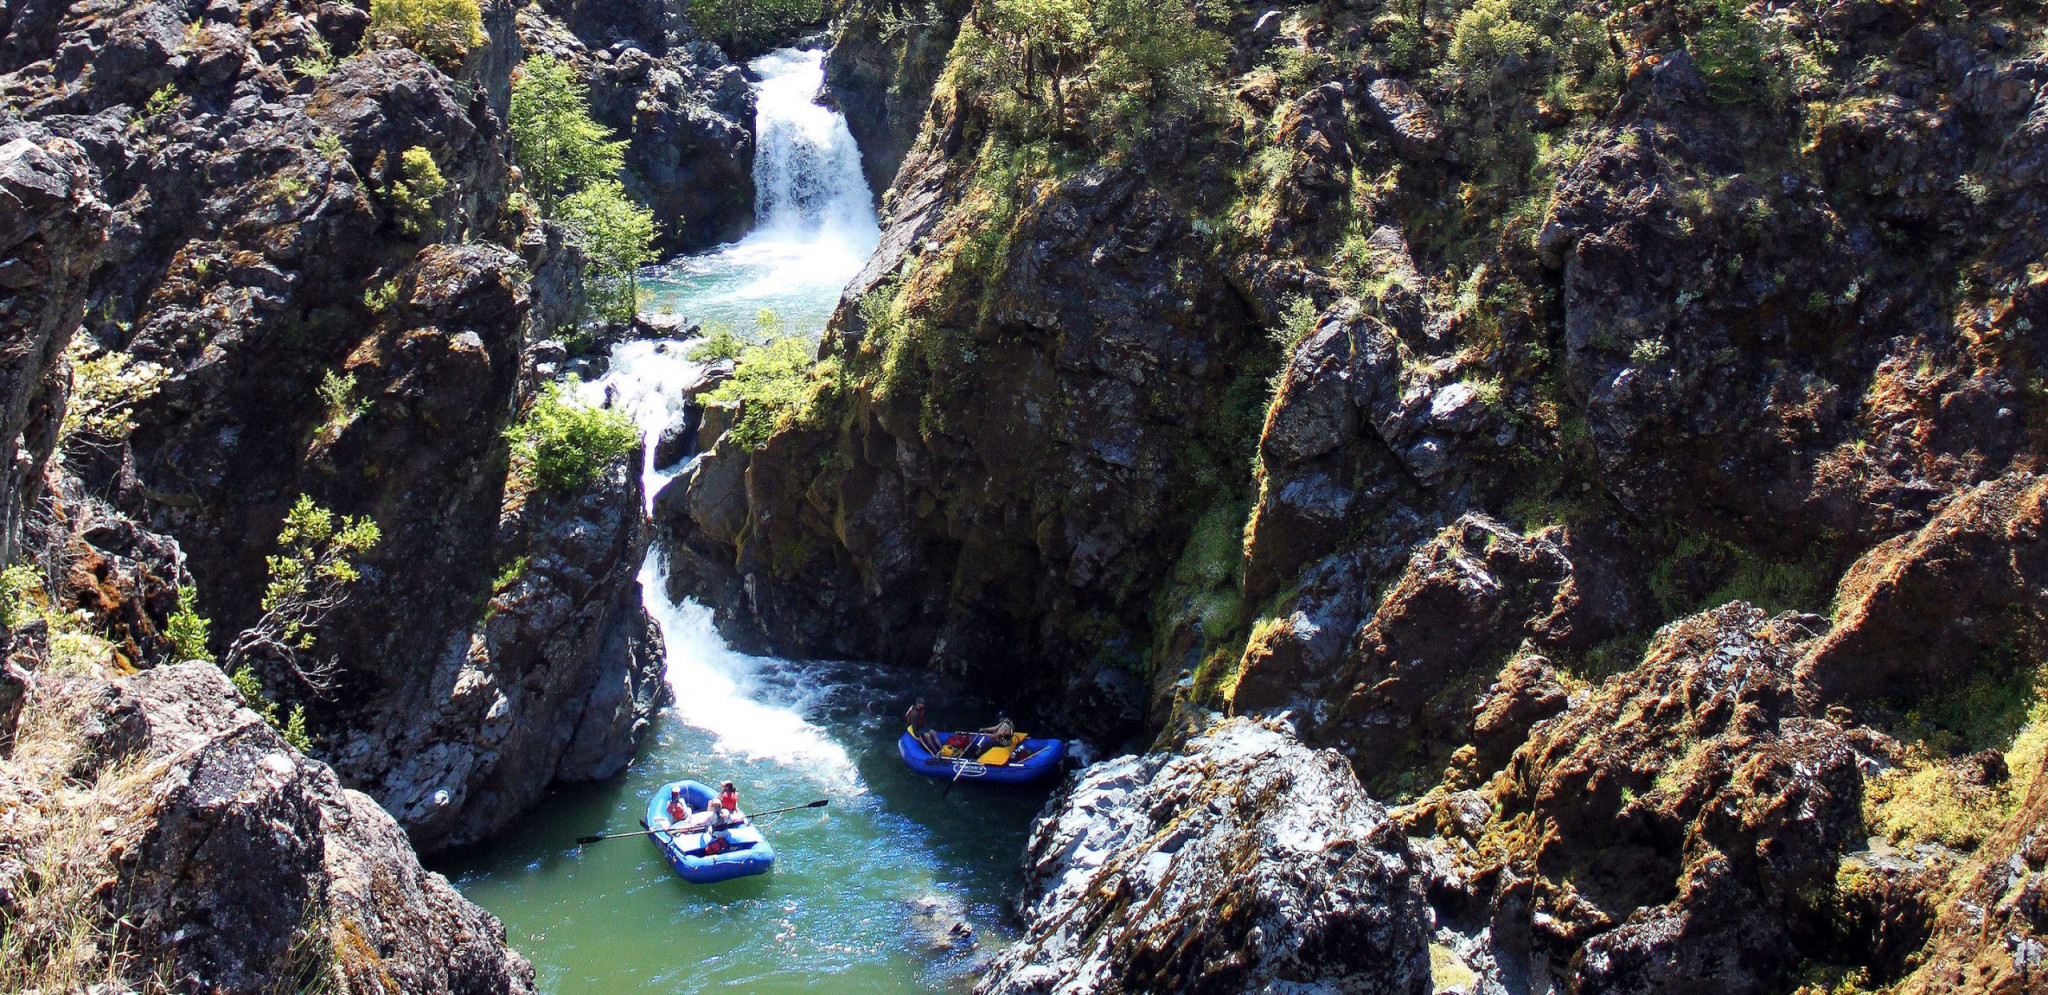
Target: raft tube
{"x": 750, "y": 853}
{"x": 1037, "y": 760}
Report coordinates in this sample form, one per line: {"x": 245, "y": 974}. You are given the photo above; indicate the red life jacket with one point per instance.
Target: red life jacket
{"x": 730, "y": 800}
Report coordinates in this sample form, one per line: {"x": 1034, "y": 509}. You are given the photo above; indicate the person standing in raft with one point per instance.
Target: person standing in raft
{"x": 914, "y": 718}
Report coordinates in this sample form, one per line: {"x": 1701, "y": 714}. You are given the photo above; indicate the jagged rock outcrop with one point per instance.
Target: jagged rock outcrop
{"x": 886, "y": 57}
{"x": 685, "y": 112}
{"x": 52, "y": 225}
{"x": 330, "y": 320}
{"x": 989, "y": 539}
{"x": 1401, "y": 695}
{"x": 231, "y": 862}
{"x": 1928, "y": 609}
{"x": 1242, "y": 862}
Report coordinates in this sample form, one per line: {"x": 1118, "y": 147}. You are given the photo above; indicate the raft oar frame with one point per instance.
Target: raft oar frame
{"x": 587, "y": 840}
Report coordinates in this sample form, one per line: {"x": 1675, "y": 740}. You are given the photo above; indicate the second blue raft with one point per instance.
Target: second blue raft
{"x": 1034, "y": 760}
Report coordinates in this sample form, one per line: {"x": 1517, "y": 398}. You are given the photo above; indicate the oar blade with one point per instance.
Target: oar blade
{"x": 587, "y": 840}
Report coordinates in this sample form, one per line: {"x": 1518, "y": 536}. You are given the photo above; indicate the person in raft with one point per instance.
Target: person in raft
{"x": 997, "y": 735}
{"x": 729, "y": 800}
{"x": 718, "y": 828}
{"x": 914, "y": 718}
{"x": 678, "y": 809}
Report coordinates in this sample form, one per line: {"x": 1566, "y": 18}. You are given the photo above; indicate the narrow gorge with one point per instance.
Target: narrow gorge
{"x": 1500, "y": 496}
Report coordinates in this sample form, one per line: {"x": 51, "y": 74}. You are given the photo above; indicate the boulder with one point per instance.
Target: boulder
{"x": 1241, "y": 862}
{"x": 229, "y": 855}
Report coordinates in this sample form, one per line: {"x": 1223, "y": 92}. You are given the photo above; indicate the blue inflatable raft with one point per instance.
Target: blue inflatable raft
{"x": 1031, "y": 760}
{"x": 685, "y": 851}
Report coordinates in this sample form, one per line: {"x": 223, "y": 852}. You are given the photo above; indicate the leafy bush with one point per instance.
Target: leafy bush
{"x": 564, "y": 444}
{"x": 309, "y": 578}
{"x": 745, "y": 25}
{"x": 1125, "y": 59}
{"x": 20, "y": 587}
{"x": 104, "y": 391}
{"x": 1489, "y": 41}
{"x": 1730, "y": 51}
{"x": 559, "y": 147}
{"x": 617, "y": 236}
{"x": 721, "y": 343}
{"x": 188, "y": 630}
{"x": 412, "y": 195}
{"x": 293, "y": 728}
{"x": 776, "y": 385}
{"x": 442, "y": 30}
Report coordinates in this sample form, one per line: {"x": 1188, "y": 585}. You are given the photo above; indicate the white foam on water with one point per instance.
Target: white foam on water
{"x": 646, "y": 380}
{"x": 717, "y": 690}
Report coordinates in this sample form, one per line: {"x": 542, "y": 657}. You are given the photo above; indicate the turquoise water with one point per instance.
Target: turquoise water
{"x": 865, "y": 890}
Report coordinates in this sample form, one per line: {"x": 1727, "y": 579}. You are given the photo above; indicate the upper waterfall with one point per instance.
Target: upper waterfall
{"x": 814, "y": 213}
{"x": 807, "y": 176}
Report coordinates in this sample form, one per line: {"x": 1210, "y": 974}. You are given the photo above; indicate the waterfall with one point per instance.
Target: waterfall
{"x": 814, "y": 215}
{"x": 808, "y": 182}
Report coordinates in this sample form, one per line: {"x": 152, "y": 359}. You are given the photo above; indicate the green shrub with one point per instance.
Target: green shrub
{"x": 564, "y": 444}
{"x": 776, "y": 384}
{"x": 20, "y": 589}
{"x": 442, "y": 30}
{"x": 1040, "y": 60}
{"x": 721, "y": 343}
{"x": 749, "y": 24}
{"x": 412, "y": 195}
{"x": 293, "y": 728}
{"x": 105, "y": 388}
{"x": 1730, "y": 51}
{"x": 188, "y": 630}
{"x": 1488, "y": 38}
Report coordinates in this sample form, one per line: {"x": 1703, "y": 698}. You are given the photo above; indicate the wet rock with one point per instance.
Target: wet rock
{"x": 1242, "y": 862}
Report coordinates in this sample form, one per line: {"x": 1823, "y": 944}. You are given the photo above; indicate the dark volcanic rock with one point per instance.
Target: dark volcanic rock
{"x": 1244, "y": 862}
{"x": 685, "y": 112}
{"x": 886, "y": 56}
{"x": 1687, "y": 802}
{"x": 1919, "y": 610}
{"x": 233, "y": 855}
{"x": 263, "y": 250}
{"x": 52, "y": 224}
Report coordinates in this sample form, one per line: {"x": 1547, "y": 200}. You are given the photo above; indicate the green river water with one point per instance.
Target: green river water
{"x": 864, "y": 891}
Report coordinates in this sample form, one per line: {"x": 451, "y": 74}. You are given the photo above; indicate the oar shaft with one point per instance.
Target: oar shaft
{"x": 584, "y": 841}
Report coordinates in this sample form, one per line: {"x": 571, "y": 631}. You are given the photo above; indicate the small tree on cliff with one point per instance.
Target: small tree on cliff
{"x": 618, "y": 237}
{"x": 559, "y": 147}
{"x": 309, "y": 579}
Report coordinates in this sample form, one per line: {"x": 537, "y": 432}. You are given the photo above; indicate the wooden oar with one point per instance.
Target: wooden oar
{"x": 586, "y": 840}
